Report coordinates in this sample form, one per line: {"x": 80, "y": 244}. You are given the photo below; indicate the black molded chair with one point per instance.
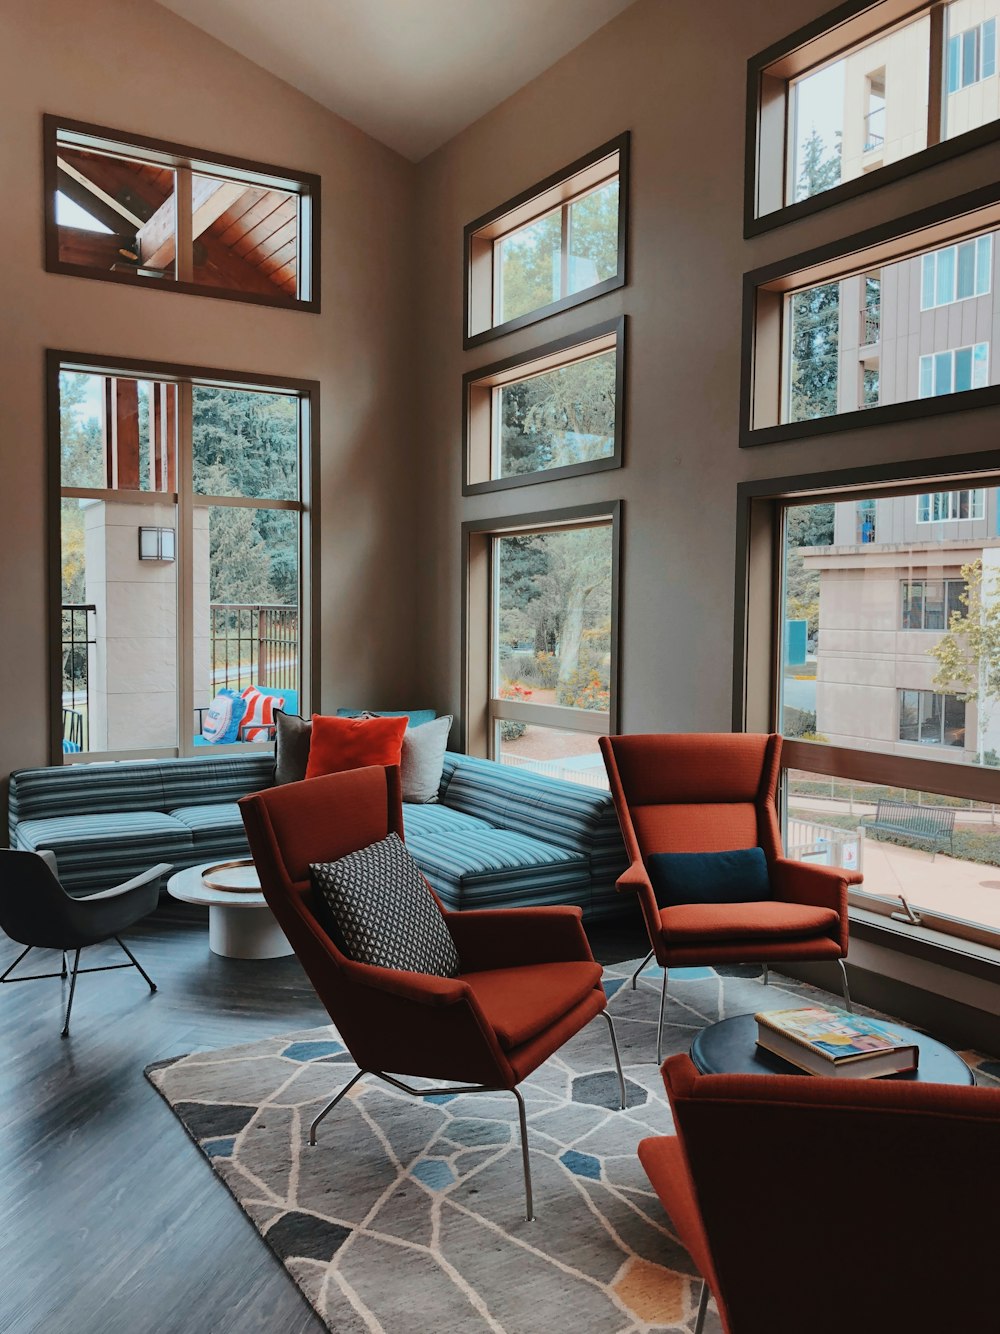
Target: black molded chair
{"x": 37, "y": 912}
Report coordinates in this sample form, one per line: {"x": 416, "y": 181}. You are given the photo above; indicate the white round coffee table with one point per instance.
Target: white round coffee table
{"x": 240, "y": 925}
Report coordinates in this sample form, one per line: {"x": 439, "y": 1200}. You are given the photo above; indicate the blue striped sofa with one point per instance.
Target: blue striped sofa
{"x": 495, "y": 837}
{"x": 501, "y": 837}
{"x": 107, "y": 822}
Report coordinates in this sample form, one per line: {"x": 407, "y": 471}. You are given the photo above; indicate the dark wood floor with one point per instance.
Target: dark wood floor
{"x": 110, "y": 1221}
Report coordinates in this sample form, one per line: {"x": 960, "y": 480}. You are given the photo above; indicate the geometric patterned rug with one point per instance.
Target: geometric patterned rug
{"x": 408, "y": 1213}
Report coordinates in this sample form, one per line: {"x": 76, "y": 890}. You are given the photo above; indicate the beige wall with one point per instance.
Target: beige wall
{"x": 675, "y": 75}
{"x": 139, "y": 67}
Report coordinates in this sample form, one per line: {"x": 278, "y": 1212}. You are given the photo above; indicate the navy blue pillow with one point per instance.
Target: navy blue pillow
{"x": 710, "y": 877}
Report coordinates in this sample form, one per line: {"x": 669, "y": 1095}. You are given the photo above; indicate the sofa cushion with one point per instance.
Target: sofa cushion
{"x": 422, "y": 819}
{"x": 566, "y": 814}
{"x": 338, "y": 744}
{"x": 98, "y": 851}
{"x": 208, "y": 782}
{"x": 37, "y": 794}
{"x": 485, "y": 868}
{"x": 216, "y": 831}
{"x": 522, "y": 1002}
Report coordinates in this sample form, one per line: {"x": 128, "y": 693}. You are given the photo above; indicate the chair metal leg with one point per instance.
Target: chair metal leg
{"x": 23, "y": 955}
{"x": 659, "y": 1026}
{"x": 332, "y": 1103}
{"x": 529, "y": 1208}
{"x": 635, "y": 975}
{"x": 702, "y": 1308}
{"x": 72, "y": 989}
{"x": 618, "y": 1059}
{"x": 136, "y": 964}
{"x": 767, "y": 975}
{"x": 845, "y": 988}
{"x": 65, "y": 968}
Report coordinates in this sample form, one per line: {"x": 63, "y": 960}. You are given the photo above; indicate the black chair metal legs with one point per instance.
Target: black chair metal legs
{"x": 73, "y": 972}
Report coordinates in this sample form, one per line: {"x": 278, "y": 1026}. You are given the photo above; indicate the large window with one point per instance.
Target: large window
{"x": 889, "y": 697}
{"x": 557, "y": 244}
{"x": 950, "y": 506}
{"x": 553, "y": 412}
{"x": 142, "y": 211}
{"x": 870, "y": 92}
{"x": 870, "y": 329}
{"x": 184, "y": 571}
{"x": 542, "y": 640}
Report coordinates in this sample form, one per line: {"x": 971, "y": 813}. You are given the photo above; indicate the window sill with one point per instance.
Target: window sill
{"x": 922, "y": 942}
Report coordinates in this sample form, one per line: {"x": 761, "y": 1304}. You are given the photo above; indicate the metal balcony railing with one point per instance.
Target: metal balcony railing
{"x": 254, "y": 644}
{"x": 874, "y": 129}
{"x": 79, "y": 623}
{"x": 870, "y": 325}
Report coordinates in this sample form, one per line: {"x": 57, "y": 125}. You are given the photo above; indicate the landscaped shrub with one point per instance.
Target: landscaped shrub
{"x": 509, "y": 729}
{"x": 585, "y": 689}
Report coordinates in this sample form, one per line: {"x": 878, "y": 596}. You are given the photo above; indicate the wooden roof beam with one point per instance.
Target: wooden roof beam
{"x": 210, "y": 198}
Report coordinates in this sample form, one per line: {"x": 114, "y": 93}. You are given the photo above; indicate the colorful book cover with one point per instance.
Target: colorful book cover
{"x": 833, "y": 1033}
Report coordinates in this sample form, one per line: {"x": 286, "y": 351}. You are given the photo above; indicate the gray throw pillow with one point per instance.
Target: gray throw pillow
{"x": 422, "y": 760}
{"x": 291, "y": 751}
{"x": 377, "y": 907}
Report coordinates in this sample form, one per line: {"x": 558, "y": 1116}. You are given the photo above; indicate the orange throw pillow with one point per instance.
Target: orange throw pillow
{"x": 353, "y": 743}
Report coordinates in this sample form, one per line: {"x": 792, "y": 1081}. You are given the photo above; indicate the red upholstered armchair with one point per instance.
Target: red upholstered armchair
{"x": 827, "y": 1205}
{"x": 528, "y": 981}
{"x": 714, "y": 792}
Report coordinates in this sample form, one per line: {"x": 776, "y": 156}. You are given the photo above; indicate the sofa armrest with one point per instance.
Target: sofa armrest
{"x": 507, "y": 937}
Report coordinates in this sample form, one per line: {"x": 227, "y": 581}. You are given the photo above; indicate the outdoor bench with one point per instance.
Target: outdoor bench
{"x": 932, "y": 824}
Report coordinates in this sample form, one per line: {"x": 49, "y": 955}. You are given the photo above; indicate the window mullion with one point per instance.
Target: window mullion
{"x": 185, "y": 568}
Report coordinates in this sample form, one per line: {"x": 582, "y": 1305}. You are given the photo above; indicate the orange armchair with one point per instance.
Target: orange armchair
{"x": 872, "y": 1191}
{"x": 714, "y": 792}
{"x": 528, "y": 982}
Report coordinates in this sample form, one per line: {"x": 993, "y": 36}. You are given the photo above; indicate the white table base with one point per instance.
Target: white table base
{"x": 245, "y": 933}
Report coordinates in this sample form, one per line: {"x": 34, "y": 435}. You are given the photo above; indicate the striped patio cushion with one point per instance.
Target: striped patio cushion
{"x": 225, "y": 778}
{"x": 101, "y": 850}
{"x": 485, "y": 868}
{"x": 216, "y": 831}
{"x": 83, "y": 789}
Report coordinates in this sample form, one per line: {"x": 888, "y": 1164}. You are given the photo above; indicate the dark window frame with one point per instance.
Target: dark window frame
{"x": 60, "y": 359}
{"x": 860, "y": 20}
{"x": 520, "y": 203}
{"x": 183, "y": 155}
{"x": 472, "y": 434}
{"x": 765, "y": 288}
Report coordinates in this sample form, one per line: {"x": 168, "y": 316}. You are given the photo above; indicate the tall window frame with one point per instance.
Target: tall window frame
{"x": 559, "y": 192}
{"x": 772, "y": 72}
{"x": 758, "y": 616}
{"x": 189, "y": 166}
{"x": 186, "y": 499}
{"x": 482, "y": 707}
{"x": 482, "y": 391}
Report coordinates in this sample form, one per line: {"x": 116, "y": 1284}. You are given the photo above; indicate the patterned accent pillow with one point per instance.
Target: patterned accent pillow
{"x": 258, "y": 721}
{"x": 377, "y": 907}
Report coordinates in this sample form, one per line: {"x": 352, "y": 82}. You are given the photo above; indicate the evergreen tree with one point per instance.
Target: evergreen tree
{"x": 815, "y": 313}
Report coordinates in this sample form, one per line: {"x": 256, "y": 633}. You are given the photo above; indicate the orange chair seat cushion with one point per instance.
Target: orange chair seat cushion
{"x": 521, "y": 1002}
{"x": 768, "y": 920}
{"x": 339, "y": 744}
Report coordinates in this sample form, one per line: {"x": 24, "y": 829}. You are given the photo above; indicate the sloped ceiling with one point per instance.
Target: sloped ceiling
{"x": 411, "y": 73}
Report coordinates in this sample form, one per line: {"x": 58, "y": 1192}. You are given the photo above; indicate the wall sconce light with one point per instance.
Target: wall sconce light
{"x": 156, "y": 544}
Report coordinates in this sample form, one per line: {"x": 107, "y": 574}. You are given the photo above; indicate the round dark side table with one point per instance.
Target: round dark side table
{"x": 730, "y": 1048}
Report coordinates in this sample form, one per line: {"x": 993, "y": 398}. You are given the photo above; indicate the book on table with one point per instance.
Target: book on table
{"x": 826, "y": 1041}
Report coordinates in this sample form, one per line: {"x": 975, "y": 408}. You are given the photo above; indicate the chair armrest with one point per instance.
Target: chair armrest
{"x": 817, "y": 886}
{"x": 507, "y": 937}
{"x": 127, "y": 886}
{"x": 49, "y": 858}
{"x": 634, "y": 880}
{"x": 417, "y": 988}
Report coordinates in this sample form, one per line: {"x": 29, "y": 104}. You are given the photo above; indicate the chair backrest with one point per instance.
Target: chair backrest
{"x": 843, "y": 1204}
{"x": 695, "y": 792}
{"x": 319, "y": 820}
{"x": 34, "y": 907}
